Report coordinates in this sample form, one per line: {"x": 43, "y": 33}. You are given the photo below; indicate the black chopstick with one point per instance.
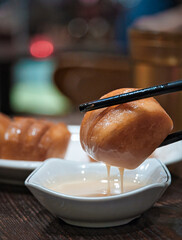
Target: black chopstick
{"x": 132, "y": 96}
{"x": 171, "y": 138}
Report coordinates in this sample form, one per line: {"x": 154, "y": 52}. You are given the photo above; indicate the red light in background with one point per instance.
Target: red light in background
{"x": 41, "y": 48}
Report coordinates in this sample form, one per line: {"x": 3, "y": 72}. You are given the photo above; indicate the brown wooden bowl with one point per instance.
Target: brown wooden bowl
{"x": 84, "y": 76}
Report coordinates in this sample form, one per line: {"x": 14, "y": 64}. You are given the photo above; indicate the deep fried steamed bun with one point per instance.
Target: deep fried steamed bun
{"x": 125, "y": 135}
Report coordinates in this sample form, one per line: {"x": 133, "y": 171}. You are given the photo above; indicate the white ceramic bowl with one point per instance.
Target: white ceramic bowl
{"x": 98, "y": 211}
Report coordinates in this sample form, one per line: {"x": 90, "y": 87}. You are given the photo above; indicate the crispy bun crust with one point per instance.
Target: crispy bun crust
{"x": 125, "y": 135}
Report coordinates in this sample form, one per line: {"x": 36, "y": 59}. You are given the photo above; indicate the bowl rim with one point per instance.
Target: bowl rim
{"x": 48, "y": 191}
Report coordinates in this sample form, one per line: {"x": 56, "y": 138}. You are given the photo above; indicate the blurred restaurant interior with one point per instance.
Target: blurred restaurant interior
{"x": 57, "y": 54}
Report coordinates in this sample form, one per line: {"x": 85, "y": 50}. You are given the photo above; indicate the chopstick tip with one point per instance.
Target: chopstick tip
{"x": 85, "y": 107}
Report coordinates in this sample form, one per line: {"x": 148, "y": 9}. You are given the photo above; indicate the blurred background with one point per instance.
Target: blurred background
{"x": 57, "y": 54}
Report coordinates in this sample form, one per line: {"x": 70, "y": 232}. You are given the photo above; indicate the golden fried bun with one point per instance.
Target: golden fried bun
{"x": 4, "y": 122}
{"x": 13, "y": 138}
{"x": 54, "y": 142}
{"x": 24, "y": 138}
{"x": 32, "y": 138}
{"x": 125, "y": 135}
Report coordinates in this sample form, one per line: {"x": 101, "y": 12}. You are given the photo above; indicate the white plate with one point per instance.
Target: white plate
{"x": 16, "y": 171}
{"x": 104, "y": 211}
{"x": 169, "y": 154}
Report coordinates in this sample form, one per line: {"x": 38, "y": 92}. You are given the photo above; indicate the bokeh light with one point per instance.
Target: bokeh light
{"x": 77, "y": 27}
{"x": 40, "y": 48}
{"x": 99, "y": 27}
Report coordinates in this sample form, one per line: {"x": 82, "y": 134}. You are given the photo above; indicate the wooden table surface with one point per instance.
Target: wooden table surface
{"x": 22, "y": 217}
